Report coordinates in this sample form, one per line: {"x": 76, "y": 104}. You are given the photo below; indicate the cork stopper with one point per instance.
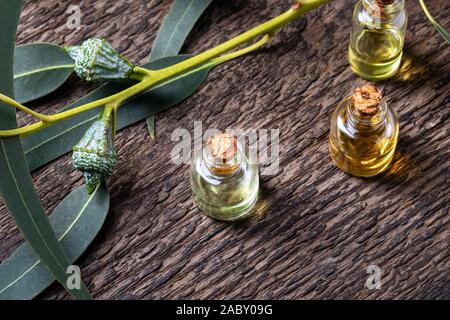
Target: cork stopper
{"x": 222, "y": 149}
{"x": 384, "y": 2}
{"x": 367, "y": 99}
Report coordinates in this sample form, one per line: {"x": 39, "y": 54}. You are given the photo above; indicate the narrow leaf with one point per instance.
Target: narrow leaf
{"x": 444, "y": 33}
{"x": 174, "y": 30}
{"x": 76, "y": 221}
{"x": 151, "y": 126}
{"x": 53, "y": 142}
{"x": 39, "y": 69}
{"x": 176, "y": 27}
{"x": 16, "y": 187}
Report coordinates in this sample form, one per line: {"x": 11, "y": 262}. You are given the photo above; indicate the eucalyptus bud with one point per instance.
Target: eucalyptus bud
{"x": 96, "y": 60}
{"x": 95, "y": 155}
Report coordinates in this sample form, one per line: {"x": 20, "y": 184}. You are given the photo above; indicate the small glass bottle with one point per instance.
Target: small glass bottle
{"x": 377, "y": 37}
{"x": 363, "y": 133}
{"x": 224, "y": 183}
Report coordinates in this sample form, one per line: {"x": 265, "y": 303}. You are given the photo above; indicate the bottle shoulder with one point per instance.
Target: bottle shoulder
{"x": 342, "y": 128}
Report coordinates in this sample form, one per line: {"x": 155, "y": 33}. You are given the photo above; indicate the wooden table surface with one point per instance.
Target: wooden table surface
{"x": 317, "y": 229}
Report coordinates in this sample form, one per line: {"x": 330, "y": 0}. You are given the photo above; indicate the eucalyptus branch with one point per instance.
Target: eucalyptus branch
{"x": 151, "y": 78}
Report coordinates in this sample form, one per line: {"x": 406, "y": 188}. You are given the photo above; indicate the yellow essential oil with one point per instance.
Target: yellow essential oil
{"x": 224, "y": 183}
{"x": 377, "y": 38}
{"x": 363, "y": 133}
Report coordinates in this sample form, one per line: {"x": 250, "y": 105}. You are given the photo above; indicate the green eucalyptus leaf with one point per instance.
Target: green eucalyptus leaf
{"x": 39, "y": 69}
{"x": 55, "y": 141}
{"x": 151, "y": 126}
{"x": 174, "y": 30}
{"x": 16, "y": 187}
{"x": 176, "y": 27}
{"x": 76, "y": 221}
{"x": 444, "y": 33}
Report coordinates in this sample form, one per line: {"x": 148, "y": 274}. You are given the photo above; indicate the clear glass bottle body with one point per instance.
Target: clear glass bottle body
{"x": 360, "y": 146}
{"x": 377, "y": 38}
{"x": 226, "y": 197}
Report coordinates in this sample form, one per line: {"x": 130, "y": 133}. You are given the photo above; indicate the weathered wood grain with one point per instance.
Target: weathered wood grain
{"x": 317, "y": 229}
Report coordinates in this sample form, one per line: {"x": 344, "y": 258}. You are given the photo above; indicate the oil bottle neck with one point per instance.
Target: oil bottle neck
{"x": 368, "y": 123}
{"x": 220, "y": 168}
{"x": 383, "y": 9}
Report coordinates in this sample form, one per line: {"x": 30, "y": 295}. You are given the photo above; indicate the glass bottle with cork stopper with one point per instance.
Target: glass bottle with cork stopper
{"x": 224, "y": 183}
{"x": 377, "y": 37}
{"x": 363, "y": 133}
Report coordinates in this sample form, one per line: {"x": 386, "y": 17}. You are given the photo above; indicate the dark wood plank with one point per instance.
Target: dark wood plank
{"x": 317, "y": 229}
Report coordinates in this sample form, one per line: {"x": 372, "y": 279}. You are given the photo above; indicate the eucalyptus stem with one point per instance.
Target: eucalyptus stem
{"x": 151, "y": 78}
{"x": 13, "y": 103}
{"x": 212, "y": 63}
{"x": 268, "y": 27}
